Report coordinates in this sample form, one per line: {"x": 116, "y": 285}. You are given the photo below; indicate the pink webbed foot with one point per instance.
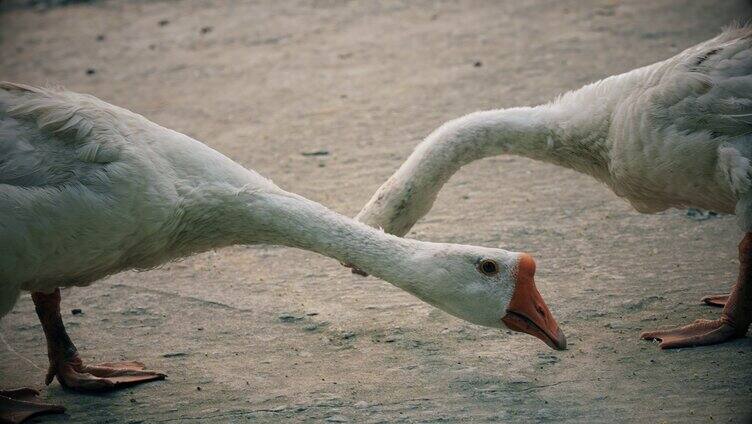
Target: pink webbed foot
{"x": 700, "y": 333}
{"x": 66, "y": 365}
{"x": 17, "y": 406}
{"x": 718, "y": 300}
{"x": 735, "y": 318}
{"x": 76, "y": 375}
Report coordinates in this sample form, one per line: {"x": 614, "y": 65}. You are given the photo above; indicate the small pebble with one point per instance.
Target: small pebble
{"x": 91, "y": 71}
{"x": 478, "y": 64}
{"x": 163, "y": 22}
{"x": 289, "y": 317}
{"x": 320, "y": 152}
{"x": 100, "y": 37}
{"x": 206, "y": 29}
{"x": 198, "y": 388}
{"x": 76, "y": 311}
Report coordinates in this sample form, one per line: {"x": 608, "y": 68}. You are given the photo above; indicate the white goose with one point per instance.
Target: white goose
{"x": 88, "y": 189}
{"x": 673, "y": 134}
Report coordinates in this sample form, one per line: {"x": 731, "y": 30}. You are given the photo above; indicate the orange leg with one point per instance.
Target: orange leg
{"x": 735, "y": 318}
{"x": 66, "y": 365}
{"x": 17, "y": 406}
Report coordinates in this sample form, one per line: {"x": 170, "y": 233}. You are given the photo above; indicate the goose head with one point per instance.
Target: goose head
{"x": 489, "y": 287}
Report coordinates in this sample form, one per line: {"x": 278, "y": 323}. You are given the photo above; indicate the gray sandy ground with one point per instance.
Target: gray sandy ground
{"x": 267, "y": 334}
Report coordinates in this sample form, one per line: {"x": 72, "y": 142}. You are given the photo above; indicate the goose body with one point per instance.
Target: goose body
{"x": 88, "y": 189}
{"x": 676, "y": 133}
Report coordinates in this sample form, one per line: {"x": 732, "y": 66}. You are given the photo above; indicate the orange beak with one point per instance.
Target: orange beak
{"x": 528, "y": 313}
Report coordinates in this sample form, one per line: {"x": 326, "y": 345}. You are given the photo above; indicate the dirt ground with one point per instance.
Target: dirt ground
{"x": 270, "y": 334}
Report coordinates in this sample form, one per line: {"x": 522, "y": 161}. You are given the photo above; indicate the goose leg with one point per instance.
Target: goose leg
{"x": 735, "y": 318}
{"x": 66, "y": 365}
{"x": 17, "y": 406}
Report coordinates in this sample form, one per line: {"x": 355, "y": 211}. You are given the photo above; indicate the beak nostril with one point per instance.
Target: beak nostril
{"x": 540, "y": 310}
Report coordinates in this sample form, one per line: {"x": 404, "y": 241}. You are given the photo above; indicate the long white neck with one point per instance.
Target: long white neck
{"x": 571, "y": 132}
{"x": 223, "y": 216}
{"x": 291, "y": 220}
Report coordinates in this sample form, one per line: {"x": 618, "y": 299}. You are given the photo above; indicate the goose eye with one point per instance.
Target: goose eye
{"x": 488, "y": 267}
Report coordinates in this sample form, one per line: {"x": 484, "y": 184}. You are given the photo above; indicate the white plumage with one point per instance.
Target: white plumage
{"x": 88, "y": 189}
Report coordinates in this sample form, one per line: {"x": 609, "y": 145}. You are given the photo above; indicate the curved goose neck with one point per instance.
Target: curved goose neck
{"x": 219, "y": 215}
{"x": 551, "y": 133}
{"x": 291, "y": 220}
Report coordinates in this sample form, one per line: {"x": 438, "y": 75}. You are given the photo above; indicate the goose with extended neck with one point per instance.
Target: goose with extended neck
{"x": 676, "y": 133}
{"x": 88, "y": 189}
